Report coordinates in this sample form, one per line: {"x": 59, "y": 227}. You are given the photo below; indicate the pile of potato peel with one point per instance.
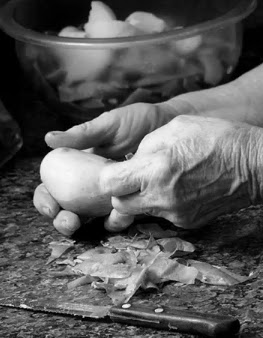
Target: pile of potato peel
{"x": 123, "y": 264}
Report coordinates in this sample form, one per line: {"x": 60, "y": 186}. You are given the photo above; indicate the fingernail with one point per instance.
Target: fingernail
{"x": 46, "y": 211}
{"x": 55, "y": 133}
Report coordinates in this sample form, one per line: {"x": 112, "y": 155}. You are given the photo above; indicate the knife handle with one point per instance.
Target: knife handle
{"x": 209, "y": 325}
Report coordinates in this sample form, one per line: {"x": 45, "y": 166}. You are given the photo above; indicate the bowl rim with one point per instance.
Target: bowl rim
{"x": 11, "y": 27}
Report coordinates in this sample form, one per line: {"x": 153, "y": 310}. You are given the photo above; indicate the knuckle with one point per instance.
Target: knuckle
{"x": 181, "y": 221}
{"x": 141, "y": 106}
{"x": 134, "y": 107}
{"x": 146, "y": 139}
{"x": 163, "y": 164}
{"x": 82, "y": 128}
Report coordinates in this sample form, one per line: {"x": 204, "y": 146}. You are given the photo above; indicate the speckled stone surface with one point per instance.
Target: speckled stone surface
{"x": 234, "y": 241}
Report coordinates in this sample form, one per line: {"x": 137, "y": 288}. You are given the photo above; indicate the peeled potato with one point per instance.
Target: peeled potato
{"x": 100, "y": 12}
{"x": 188, "y": 45}
{"x": 103, "y": 23}
{"x": 72, "y": 32}
{"x": 110, "y": 29}
{"x": 147, "y": 22}
{"x": 88, "y": 64}
{"x": 82, "y": 64}
{"x": 72, "y": 178}
{"x": 212, "y": 65}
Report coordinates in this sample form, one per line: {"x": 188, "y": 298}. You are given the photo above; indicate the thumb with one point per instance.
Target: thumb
{"x": 96, "y": 132}
{"x": 123, "y": 178}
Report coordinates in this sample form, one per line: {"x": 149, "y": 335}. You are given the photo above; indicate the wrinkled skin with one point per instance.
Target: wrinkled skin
{"x": 189, "y": 171}
{"x": 210, "y": 153}
{"x": 116, "y": 133}
{"x": 112, "y": 135}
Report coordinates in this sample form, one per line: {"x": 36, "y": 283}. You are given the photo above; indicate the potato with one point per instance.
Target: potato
{"x": 212, "y": 65}
{"x": 82, "y": 64}
{"x": 85, "y": 64}
{"x": 72, "y": 32}
{"x": 146, "y": 22}
{"x": 100, "y": 12}
{"x": 188, "y": 45}
{"x": 103, "y": 23}
{"x": 111, "y": 29}
{"x": 72, "y": 178}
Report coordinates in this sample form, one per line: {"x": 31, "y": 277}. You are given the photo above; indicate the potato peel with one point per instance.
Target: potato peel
{"x": 122, "y": 265}
{"x": 58, "y": 249}
{"x": 156, "y": 231}
{"x": 176, "y": 246}
{"x": 210, "y": 274}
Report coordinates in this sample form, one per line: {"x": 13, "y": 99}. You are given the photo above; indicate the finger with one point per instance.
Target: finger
{"x": 117, "y": 222}
{"x": 155, "y": 141}
{"x": 94, "y": 133}
{"x": 44, "y": 202}
{"x": 89, "y": 151}
{"x": 117, "y": 151}
{"x": 66, "y": 222}
{"x": 133, "y": 204}
{"x": 122, "y": 178}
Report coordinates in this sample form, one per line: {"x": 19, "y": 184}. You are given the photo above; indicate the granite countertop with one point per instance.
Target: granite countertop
{"x": 234, "y": 241}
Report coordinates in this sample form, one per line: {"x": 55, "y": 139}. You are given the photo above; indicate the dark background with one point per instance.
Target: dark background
{"x": 35, "y": 119}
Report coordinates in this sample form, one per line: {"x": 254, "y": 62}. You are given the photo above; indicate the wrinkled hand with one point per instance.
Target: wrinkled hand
{"x": 116, "y": 133}
{"x": 189, "y": 171}
{"x": 112, "y": 135}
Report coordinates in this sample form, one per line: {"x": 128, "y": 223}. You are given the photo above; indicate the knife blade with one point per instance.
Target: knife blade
{"x": 159, "y": 317}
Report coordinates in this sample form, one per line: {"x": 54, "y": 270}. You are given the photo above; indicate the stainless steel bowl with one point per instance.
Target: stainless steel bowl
{"x": 82, "y": 77}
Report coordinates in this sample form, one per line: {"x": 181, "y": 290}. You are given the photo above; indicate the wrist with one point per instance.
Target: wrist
{"x": 176, "y": 106}
{"x": 226, "y": 102}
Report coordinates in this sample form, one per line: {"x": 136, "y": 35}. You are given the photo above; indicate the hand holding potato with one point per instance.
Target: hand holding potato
{"x": 111, "y": 135}
{"x": 189, "y": 171}
{"x": 116, "y": 133}
{"x": 119, "y": 132}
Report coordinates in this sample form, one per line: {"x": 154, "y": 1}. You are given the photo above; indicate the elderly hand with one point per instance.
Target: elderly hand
{"x": 189, "y": 171}
{"x": 112, "y": 135}
{"x": 119, "y": 132}
{"x": 116, "y": 133}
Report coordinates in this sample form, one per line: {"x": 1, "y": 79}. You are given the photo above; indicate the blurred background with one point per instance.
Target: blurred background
{"x": 31, "y": 118}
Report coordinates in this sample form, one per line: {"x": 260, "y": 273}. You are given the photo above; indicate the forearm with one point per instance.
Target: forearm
{"x": 254, "y": 159}
{"x": 250, "y": 86}
{"x": 240, "y": 100}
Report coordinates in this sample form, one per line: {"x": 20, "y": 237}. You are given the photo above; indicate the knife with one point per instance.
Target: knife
{"x": 159, "y": 317}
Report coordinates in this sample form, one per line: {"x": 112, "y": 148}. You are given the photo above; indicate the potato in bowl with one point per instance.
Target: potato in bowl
{"x": 84, "y": 58}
